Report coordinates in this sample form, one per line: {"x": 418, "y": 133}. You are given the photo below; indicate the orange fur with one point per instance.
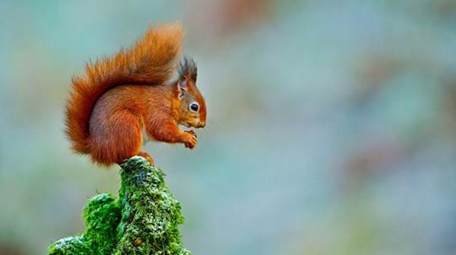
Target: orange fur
{"x": 119, "y": 97}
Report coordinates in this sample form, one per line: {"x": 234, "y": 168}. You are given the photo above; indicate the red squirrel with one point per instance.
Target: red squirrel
{"x": 135, "y": 95}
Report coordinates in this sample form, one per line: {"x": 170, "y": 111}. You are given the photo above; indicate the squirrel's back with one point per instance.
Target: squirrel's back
{"x": 152, "y": 60}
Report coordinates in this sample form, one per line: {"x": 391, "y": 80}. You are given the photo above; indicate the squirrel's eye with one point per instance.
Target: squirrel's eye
{"x": 194, "y": 107}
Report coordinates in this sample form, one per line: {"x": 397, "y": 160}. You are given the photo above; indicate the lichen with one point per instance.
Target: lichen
{"x": 144, "y": 220}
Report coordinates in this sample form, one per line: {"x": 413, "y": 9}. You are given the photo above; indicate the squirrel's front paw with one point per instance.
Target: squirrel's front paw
{"x": 191, "y": 139}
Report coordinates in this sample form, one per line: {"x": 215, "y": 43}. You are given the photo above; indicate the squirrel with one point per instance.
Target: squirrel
{"x": 142, "y": 92}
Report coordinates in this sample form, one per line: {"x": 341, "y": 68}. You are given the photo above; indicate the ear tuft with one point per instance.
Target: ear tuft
{"x": 188, "y": 68}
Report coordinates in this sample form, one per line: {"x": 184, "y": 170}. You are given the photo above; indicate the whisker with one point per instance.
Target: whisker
{"x": 213, "y": 123}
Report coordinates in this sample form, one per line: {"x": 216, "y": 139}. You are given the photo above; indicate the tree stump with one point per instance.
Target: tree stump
{"x": 143, "y": 220}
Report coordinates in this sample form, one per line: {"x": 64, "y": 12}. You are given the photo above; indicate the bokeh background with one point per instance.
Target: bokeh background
{"x": 332, "y": 124}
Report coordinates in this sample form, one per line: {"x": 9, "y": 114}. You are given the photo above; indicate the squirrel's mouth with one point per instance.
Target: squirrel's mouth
{"x": 198, "y": 124}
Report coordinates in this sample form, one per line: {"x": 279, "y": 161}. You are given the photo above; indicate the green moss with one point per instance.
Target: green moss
{"x": 144, "y": 220}
{"x": 71, "y": 245}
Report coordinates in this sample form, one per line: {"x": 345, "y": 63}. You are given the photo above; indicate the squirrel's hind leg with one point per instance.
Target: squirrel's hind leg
{"x": 122, "y": 140}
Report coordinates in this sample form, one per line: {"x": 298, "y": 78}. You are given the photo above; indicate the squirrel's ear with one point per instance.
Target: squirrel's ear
{"x": 182, "y": 87}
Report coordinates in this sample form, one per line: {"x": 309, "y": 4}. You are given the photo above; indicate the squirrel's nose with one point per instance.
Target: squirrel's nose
{"x": 202, "y": 124}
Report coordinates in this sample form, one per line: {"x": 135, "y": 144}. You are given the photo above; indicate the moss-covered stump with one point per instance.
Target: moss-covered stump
{"x": 144, "y": 220}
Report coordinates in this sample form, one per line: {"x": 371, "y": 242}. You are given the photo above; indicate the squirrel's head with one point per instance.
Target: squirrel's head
{"x": 191, "y": 106}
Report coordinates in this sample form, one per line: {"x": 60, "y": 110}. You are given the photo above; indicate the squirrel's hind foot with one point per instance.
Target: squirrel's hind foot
{"x": 148, "y": 157}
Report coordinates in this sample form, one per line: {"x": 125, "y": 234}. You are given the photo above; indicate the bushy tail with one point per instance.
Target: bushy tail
{"x": 152, "y": 60}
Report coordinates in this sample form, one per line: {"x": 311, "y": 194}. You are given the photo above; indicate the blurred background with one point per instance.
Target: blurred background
{"x": 332, "y": 124}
